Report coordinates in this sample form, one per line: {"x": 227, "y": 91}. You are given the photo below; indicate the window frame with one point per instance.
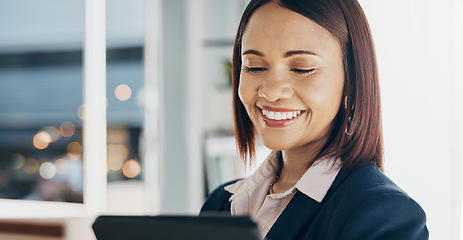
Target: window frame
{"x": 94, "y": 141}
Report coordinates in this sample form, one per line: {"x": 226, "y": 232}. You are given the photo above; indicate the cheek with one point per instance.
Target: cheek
{"x": 323, "y": 96}
{"x": 246, "y": 92}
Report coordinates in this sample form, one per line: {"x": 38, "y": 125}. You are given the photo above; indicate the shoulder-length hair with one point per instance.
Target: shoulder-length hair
{"x": 356, "y": 137}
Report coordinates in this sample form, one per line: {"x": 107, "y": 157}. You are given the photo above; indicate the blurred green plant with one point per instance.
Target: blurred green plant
{"x": 227, "y": 67}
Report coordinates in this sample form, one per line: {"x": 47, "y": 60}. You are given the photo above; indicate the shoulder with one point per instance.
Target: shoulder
{"x": 398, "y": 216}
{"x": 218, "y": 200}
{"x": 370, "y": 200}
{"x": 365, "y": 182}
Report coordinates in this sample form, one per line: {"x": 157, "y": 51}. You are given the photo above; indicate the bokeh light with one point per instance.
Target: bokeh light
{"x": 67, "y": 129}
{"x": 123, "y": 92}
{"x": 118, "y": 135}
{"x": 62, "y": 166}
{"x": 41, "y": 140}
{"x": 131, "y": 169}
{"x": 31, "y": 166}
{"x": 81, "y": 112}
{"x": 53, "y": 132}
{"x": 117, "y": 153}
{"x": 47, "y": 170}
{"x": 74, "y": 150}
{"x": 18, "y": 161}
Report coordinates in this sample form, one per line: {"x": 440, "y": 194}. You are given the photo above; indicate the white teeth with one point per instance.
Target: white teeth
{"x": 280, "y": 115}
{"x": 271, "y": 115}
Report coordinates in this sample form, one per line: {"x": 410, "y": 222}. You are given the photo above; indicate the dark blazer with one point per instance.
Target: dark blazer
{"x": 362, "y": 204}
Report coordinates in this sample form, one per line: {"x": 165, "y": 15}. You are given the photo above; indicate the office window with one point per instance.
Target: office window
{"x": 41, "y": 100}
{"x": 46, "y": 94}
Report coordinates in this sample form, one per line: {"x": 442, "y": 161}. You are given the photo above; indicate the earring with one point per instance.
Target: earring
{"x": 345, "y": 102}
{"x": 349, "y": 122}
{"x": 348, "y": 133}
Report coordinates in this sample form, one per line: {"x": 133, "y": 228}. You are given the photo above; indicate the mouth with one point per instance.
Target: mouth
{"x": 274, "y": 115}
{"x": 279, "y": 117}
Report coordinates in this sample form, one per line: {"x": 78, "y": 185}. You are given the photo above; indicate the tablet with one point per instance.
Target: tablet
{"x": 175, "y": 228}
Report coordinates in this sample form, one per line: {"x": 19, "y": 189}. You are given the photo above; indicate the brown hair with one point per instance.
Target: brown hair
{"x": 356, "y": 137}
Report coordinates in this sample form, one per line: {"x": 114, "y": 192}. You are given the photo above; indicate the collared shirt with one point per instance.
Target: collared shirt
{"x": 249, "y": 195}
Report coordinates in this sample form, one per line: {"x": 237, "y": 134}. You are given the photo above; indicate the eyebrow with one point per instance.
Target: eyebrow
{"x": 297, "y": 52}
{"x": 287, "y": 54}
{"x": 257, "y": 53}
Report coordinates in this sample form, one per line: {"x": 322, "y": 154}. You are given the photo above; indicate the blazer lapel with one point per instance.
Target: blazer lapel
{"x": 300, "y": 212}
{"x": 298, "y": 215}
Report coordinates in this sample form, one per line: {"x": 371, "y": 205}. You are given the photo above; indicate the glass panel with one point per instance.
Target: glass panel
{"x": 41, "y": 100}
{"x": 124, "y": 84}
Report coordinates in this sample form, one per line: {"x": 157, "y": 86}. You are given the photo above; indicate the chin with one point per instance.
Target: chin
{"x": 276, "y": 145}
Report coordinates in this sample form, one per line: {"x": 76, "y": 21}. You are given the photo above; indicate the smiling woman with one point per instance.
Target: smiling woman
{"x": 305, "y": 82}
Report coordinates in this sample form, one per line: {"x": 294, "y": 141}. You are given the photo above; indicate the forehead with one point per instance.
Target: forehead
{"x": 272, "y": 26}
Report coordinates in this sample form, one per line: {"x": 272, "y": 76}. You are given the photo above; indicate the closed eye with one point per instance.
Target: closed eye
{"x": 302, "y": 71}
{"x": 255, "y": 69}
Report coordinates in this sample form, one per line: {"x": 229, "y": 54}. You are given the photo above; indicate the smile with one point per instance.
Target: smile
{"x": 280, "y": 115}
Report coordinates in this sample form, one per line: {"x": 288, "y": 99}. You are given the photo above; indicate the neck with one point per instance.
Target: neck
{"x": 295, "y": 164}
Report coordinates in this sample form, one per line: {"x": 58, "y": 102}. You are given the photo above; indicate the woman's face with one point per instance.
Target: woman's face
{"x": 292, "y": 78}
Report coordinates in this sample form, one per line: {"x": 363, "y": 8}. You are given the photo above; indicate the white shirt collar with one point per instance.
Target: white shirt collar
{"x": 315, "y": 182}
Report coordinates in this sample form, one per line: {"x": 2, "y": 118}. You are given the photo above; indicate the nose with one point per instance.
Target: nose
{"x": 275, "y": 89}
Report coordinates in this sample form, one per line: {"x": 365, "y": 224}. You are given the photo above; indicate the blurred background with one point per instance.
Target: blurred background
{"x": 168, "y": 133}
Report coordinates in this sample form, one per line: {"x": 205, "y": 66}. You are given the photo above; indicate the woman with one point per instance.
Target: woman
{"x": 305, "y": 81}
